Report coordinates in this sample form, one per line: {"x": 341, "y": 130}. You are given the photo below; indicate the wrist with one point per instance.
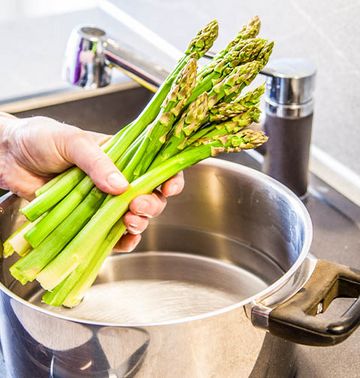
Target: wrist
{"x": 5, "y": 121}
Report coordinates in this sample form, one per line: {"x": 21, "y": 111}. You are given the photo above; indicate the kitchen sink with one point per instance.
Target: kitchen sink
{"x": 336, "y": 219}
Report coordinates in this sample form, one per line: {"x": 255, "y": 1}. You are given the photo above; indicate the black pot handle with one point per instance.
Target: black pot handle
{"x": 295, "y": 319}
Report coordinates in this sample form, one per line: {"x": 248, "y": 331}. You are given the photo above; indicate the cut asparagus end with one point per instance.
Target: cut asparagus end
{"x": 17, "y": 242}
{"x": 20, "y": 276}
{"x": 7, "y": 250}
{"x": 33, "y": 263}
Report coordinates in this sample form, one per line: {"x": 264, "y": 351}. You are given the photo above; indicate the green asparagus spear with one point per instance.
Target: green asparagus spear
{"x": 122, "y": 140}
{"x": 190, "y": 121}
{"x": 102, "y": 222}
{"x": 70, "y": 291}
{"x": 226, "y": 110}
{"x": 232, "y": 125}
{"x": 251, "y": 30}
{"x": 157, "y": 132}
{"x": 26, "y": 269}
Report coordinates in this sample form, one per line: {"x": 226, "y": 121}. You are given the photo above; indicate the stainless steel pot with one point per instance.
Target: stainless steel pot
{"x": 227, "y": 260}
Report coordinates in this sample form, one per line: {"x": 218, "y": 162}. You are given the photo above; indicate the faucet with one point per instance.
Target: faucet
{"x": 289, "y": 107}
{"x": 91, "y": 54}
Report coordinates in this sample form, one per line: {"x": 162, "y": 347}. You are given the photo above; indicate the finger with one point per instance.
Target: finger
{"x": 22, "y": 182}
{"x": 98, "y": 138}
{"x": 173, "y": 186}
{"x": 87, "y": 155}
{"x": 127, "y": 243}
{"x": 135, "y": 224}
{"x": 148, "y": 205}
{"x": 27, "y": 189}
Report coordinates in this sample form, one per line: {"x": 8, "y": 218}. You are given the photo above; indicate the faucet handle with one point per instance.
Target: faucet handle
{"x": 289, "y": 87}
{"x": 84, "y": 64}
{"x": 288, "y": 122}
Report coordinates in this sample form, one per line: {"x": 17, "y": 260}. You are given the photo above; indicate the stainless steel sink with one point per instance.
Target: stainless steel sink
{"x": 336, "y": 219}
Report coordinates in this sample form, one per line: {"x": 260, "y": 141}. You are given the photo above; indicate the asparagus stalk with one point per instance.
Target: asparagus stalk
{"x": 61, "y": 210}
{"x": 234, "y": 83}
{"x": 121, "y": 141}
{"x": 197, "y": 113}
{"x": 240, "y": 77}
{"x": 64, "y": 210}
{"x": 157, "y": 132}
{"x": 71, "y": 291}
{"x": 251, "y": 98}
{"x": 40, "y": 230}
{"x": 16, "y": 242}
{"x": 43, "y": 236}
{"x": 190, "y": 121}
{"x": 69, "y": 258}
{"x": 262, "y": 60}
{"x": 102, "y": 222}
{"x": 50, "y": 183}
{"x": 243, "y": 53}
{"x": 203, "y": 41}
{"x": 251, "y": 30}
{"x": 26, "y": 269}
{"x": 232, "y": 125}
{"x": 226, "y": 110}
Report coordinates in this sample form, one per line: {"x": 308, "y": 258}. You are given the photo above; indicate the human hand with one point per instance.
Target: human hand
{"x": 33, "y": 150}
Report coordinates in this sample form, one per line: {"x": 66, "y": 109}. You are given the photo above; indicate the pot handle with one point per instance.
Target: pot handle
{"x": 296, "y": 320}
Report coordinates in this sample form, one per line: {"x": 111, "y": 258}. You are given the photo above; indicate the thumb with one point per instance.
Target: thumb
{"x": 81, "y": 149}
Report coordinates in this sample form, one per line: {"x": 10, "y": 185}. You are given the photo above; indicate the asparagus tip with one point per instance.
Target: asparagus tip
{"x": 203, "y": 41}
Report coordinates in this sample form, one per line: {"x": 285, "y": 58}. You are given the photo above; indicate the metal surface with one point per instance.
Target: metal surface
{"x": 336, "y": 237}
{"x": 259, "y": 310}
{"x": 238, "y": 242}
{"x": 91, "y": 53}
{"x": 287, "y": 152}
{"x": 289, "y": 87}
{"x": 288, "y": 122}
{"x": 156, "y": 287}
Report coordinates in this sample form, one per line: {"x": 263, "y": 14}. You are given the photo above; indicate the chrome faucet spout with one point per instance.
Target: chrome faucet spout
{"x": 91, "y": 54}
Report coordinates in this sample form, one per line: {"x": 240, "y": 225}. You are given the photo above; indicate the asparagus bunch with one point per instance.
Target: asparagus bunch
{"x": 73, "y": 226}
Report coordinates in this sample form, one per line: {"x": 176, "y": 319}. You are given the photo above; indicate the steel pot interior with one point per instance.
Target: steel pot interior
{"x": 232, "y": 236}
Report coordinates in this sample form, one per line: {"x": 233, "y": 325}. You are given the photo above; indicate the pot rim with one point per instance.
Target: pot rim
{"x": 271, "y": 289}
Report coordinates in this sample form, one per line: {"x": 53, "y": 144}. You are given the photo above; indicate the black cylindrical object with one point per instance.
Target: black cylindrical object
{"x": 288, "y": 124}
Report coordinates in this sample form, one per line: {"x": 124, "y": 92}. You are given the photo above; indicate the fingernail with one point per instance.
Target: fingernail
{"x": 174, "y": 189}
{"x": 132, "y": 228}
{"x": 117, "y": 181}
{"x": 143, "y": 208}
